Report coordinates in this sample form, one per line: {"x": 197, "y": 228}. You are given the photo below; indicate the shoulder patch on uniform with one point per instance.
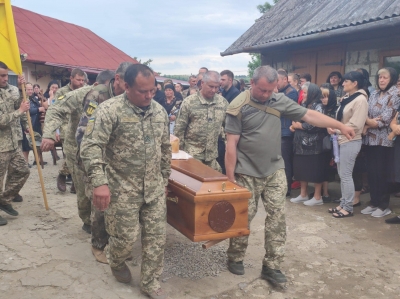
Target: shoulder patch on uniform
{"x": 61, "y": 97}
{"x": 90, "y": 126}
{"x": 91, "y": 107}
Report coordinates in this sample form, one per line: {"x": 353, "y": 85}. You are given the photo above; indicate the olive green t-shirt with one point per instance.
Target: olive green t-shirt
{"x": 259, "y": 146}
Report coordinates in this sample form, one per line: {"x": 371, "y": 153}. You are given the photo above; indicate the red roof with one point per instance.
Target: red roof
{"x": 54, "y": 42}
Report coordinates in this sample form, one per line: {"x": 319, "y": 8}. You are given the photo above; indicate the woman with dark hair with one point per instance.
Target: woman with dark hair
{"x": 366, "y": 76}
{"x": 329, "y": 103}
{"x": 335, "y": 80}
{"x": 382, "y": 106}
{"x": 171, "y": 104}
{"x": 309, "y": 162}
{"x": 51, "y": 90}
{"x": 352, "y": 112}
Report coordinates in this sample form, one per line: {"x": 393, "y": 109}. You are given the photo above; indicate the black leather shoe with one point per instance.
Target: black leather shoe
{"x": 61, "y": 183}
{"x": 236, "y": 267}
{"x": 18, "y": 198}
{"x": 3, "y": 221}
{"x": 394, "y": 220}
{"x": 122, "y": 274}
{"x": 87, "y": 228}
{"x": 9, "y": 210}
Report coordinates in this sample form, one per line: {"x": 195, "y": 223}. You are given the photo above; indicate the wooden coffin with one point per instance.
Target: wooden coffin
{"x": 203, "y": 205}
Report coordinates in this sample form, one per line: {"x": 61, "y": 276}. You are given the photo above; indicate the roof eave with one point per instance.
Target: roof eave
{"x": 381, "y": 24}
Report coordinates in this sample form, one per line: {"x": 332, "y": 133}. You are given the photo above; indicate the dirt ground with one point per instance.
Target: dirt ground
{"x": 46, "y": 254}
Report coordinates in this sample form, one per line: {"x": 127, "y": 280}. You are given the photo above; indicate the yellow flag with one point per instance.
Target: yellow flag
{"x": 9, "y": 53}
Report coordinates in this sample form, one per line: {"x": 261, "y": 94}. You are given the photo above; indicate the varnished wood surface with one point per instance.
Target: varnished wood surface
{"x": 197, "y": 170}
{"x": 196, "y": 195}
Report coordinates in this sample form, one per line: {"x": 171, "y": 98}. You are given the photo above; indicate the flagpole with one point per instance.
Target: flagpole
{"x": 38, "y": 165}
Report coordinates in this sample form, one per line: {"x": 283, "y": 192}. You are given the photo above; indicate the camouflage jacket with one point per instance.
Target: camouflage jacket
{"x": 60, "y": 93}
{"x": 95, "y": 97}
{"x": 10, "y": 118}
{"x": 68, "y": 108}
{"x": 136, "y": 147}
{"x": 199, "y": 124}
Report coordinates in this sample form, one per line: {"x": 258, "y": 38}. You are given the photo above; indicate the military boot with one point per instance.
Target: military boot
{"x": 87, "y": 228}
{"x": 122, "y": 274}
{"x": 100, "y": 255}
{"x": 236, "y": 267}
{"x": 61, "y": 183}
{"x": 18, "y": 198}
{"x": 3, "y": 221}
{"x": 9, "y": 210}
{"x": 274, "y": 276}
{"x": 157, "y": 294}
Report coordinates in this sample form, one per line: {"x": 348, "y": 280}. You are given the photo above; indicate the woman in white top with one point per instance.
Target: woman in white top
{"x": 353, "y": 112}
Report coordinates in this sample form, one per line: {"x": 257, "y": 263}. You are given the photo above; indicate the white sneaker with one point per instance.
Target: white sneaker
{"x": 368, "y": 210}
{"x": 314, "y": 202}
{"x": 299, "y": 199}
{"x": 380, "y": 213}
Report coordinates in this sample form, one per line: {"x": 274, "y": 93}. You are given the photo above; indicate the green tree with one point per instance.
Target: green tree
{"x": 255, "y": 61}
{"x": 263, "y": 8}
{"x": 147, "y": 62}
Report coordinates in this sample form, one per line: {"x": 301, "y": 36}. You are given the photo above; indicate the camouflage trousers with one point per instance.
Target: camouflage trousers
{"x": 124, "y": 221}
{"x": 99, "y": 233}
{"x": 213, "y": 164}
{"x": 64, "y": 168}
{"x": 84, "y": 204}
{"x": 15, "y": 170}
{"x": 272, "y": 190}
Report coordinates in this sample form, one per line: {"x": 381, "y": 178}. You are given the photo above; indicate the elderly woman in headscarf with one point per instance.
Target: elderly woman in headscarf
{"x": 382, "y": 107}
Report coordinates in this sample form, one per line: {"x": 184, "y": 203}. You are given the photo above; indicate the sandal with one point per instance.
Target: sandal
{"x": 334, "y": 210}
{"x": 341, "y": 215}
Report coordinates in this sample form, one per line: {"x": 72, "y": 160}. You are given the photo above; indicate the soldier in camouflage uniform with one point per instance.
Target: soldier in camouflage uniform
{"x": 68, "y": 109}
{"x": 192, "y": 85}
{"x": 200, "y": 120}
{"x": 96, "y": 96}
{"x": 253, "y": 159}
{"x": 11, "y": 160}
{"x": 77, "y": 80}
{"x": 126, "y": 153}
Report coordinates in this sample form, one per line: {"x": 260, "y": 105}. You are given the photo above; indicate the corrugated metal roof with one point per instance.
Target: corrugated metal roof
{"x": 290, "y": 19}
{"x": 55, "y": 42}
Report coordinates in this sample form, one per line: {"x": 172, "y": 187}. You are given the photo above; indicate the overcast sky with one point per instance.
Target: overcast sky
{"x": 180, "y": 36}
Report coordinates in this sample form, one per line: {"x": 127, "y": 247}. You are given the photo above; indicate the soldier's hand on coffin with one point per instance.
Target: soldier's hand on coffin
{"x": 101, "y": 197}
{"x": 47, "y": 144}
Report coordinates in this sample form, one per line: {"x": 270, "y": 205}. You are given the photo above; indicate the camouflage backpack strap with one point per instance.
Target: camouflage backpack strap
{"x": 266, "y": 109}
{"x": 236, "y": 105}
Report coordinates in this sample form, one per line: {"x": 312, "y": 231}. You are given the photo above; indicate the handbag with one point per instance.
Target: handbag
{"x": 327, "y": 143}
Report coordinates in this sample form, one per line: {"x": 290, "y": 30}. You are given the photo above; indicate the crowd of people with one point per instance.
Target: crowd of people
{"x": 371, "y": 112}
{"x": 282, "y": 133}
